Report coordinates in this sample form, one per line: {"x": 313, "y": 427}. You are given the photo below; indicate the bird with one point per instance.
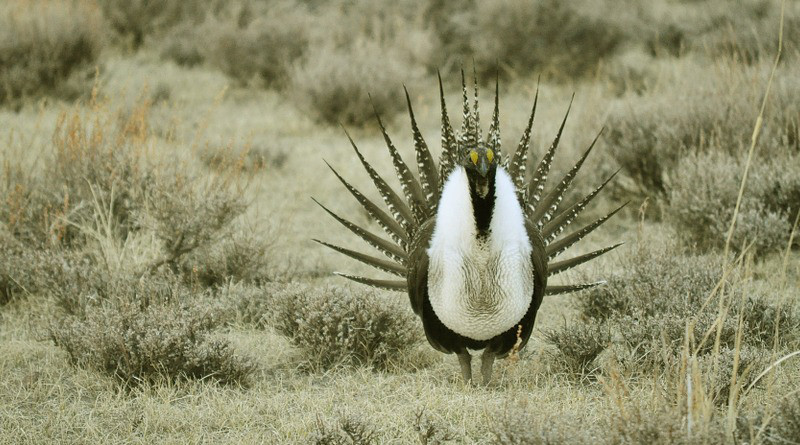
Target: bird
{"x": 474, "y": 239}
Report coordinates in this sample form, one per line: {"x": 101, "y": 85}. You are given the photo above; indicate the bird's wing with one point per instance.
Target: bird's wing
{"x": 418, "y": 266}
{"x": 539, "y": 261}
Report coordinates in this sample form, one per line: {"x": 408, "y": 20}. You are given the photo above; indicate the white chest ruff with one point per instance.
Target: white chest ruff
{"x": 479, "y": 288}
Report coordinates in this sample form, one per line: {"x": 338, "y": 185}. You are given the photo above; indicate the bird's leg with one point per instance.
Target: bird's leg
{"x": 465, "y": 360}
{"x": 487, "y": 361}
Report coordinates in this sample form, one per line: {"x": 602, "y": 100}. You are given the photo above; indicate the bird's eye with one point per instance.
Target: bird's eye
{"x": 489, "y": 155}
{"x": 473, "y": 155}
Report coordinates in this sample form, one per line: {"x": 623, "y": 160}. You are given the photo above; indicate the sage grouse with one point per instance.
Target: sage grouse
{"x": 472, "y": 241}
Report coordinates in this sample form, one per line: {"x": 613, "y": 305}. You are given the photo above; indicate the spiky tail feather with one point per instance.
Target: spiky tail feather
{"x": 517, "y": 167}
{"x": 405, "y": 216}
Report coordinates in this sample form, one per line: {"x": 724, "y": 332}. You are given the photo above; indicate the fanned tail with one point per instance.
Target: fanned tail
{"x": 536, "y": 186}
{"x": 561, "y": 266}
{"x": 542, "y": 208}
{"x": 427, "y": 168}
{"x": 552, "y": 229}
{"x": 394, "y": 285}
{"x": 558, "y": 247}
{"x": 387, "y": 223}
{"x": 406, "y": 212}
{"x": 466, "y": 138}
{"x": 449, "y": 143}
{"x": 405, "y": 216}
{"x": 411, "y": 187}
{"x": 476, "y": 119}
{"x": 388, "y": 248}
{"x": 399, "y": 210}
{"x": 378, "y": 263}
{"x": 548, "y": 205}
{"x": 493, "y": 139}
{"x": 569, "y": 288}
{"x": 517, "y": 167}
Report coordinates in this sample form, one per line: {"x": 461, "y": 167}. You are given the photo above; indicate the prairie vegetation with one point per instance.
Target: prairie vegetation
{"x": 158, "y": 279}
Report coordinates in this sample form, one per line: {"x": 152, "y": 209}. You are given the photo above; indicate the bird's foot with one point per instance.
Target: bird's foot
{"x": 487, "y": 363}
{"x": 465, "y": 360}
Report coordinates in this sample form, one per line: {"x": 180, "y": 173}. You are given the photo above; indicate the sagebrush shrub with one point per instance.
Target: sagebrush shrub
{"x": 578, "y": 346}
{"x": 135, "y": 20}
{"x": 182, "y": 45}
{"x": 747, "y": 33}
{"x": 787, "y": 422}
{"x": 347, "y": 430}
{"x": 701, "y": 113}
{"x": 703, "y": 197}
{"x": 18, "y": 268}
{"x": 657, "y": 281}
{"x": 99, "y": 205}
{"x": 634, "y": 422}
{"x": 341, "y": 84}
{"x": 94, "y": 162}
{"x": 61, "y": 274}
{"x": 432, "y": 431}
{"x": 261, "y": 48}
{"x": 147, "y": 331}
{"x": 751, "y": 361}
{"x": 520, "y": 424}
{"x": 251, "y": 159}
{"x": 45, "y": 42}
{"x": 660, "y": 298}
{"x": 632, "y": 71}
{"x": 185, "y": 214}
{"x": 240, "y": 257}
{"x": 339, "y": 326}
{"x": 562, "y": 38}
{"x": 651, "y": 137}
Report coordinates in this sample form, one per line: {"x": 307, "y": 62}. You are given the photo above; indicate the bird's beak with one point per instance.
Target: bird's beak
{"x": 483, "y": 167}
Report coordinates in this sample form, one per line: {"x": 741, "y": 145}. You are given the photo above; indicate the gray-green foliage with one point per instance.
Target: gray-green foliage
{"x": 147, "y": 331}
{"x": 660, "y": 297}
{"x": 566, "y": 39}
{"x": 343, "y": 83}
{"x": 107, "y": 236}
{"x": 522, "y": 424}
{"x": 239, "y": 256}
{"x": 136, "y": 20}
{"x": 45, "y": 44}
{"x": 703, "y": 197}
{"x": 347, "y": 430}
{"x": 786, "y": 425}
{"x": 698, "y": 114}
{"x": 341, "y": 326}
{"x": 579, "y": 345}
{"x": 185, "y": 214}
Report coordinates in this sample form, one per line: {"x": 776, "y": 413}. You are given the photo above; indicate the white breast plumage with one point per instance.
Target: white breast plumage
{"x": 479, "y": 288}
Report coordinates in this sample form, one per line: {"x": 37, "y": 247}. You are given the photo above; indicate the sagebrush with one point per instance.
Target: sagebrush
{"x": 48, "y": 48}
{"x": 336, "y": 326}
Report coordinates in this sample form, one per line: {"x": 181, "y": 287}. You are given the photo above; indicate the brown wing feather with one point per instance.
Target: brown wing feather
{"x": 418, "y": 266}
{"x": 539, "y": 260}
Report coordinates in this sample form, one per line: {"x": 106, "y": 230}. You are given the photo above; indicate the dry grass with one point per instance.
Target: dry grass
{"x": 159, "y": 212}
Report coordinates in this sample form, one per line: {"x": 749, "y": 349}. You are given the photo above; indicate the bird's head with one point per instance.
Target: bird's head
{"x": 480, "y": 163}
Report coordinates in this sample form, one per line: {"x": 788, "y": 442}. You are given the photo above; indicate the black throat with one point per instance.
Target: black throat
{"x": 482, "y": 207}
